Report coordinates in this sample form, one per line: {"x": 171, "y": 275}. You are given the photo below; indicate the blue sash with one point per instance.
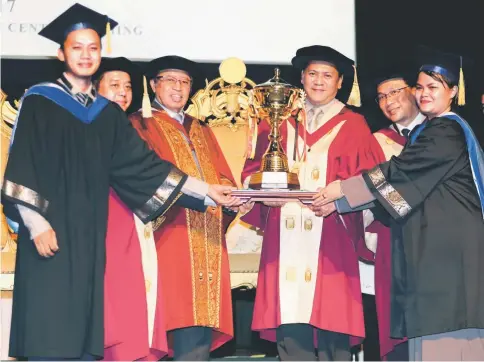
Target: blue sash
{"x": 476, "y": 155}
{"x": 65, "y": 100}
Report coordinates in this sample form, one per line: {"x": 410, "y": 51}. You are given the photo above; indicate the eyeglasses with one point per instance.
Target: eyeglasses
{"x": 382, "y": 97}
{"x": 173, "y": 81}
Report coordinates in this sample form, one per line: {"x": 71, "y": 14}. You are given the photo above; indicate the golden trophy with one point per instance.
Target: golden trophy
{"x": 275, "y": 101}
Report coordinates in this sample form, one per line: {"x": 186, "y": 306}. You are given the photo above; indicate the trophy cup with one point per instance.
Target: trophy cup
{"x": 275, "y": 100}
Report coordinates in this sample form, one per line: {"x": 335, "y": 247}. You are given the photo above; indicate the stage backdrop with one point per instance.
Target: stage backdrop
{"x": 256, "y": 31}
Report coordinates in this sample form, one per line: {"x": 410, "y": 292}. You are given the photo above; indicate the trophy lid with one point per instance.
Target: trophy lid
{"x": 275, "y": 81}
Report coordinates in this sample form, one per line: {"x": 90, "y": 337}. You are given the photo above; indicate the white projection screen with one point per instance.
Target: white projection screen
{"x": 256, "y": 31}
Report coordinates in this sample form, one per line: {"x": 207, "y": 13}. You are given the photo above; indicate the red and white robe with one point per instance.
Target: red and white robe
{"x": 130, "y": 288}
{"x": 309, "y": 265}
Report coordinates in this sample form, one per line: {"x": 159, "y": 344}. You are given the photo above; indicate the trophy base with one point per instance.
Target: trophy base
{"x": 274, "y": 180}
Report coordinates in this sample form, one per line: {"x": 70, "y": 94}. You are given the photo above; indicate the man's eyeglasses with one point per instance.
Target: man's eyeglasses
{"x": 173, "y": 81}
{"x": 382, "y": 97}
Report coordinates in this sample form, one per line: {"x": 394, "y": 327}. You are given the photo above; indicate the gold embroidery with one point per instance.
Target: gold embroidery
{"x": 290, "y": 223}
{"x": 147, "y": 231}
{"x": 204, "y": 229}
{"x": 315, "y": 174}
{"x": 158, "y": 222}
{"x": 388, "y": 192}
{"x": 147, "y": 286}
{"x": 308, "y": 224}
{"x": 307, "y": 275}
{"x": 25, "y": 194}
{"x": 390, "y": 141}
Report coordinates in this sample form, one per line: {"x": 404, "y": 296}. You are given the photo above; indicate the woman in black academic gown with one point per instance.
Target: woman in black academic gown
{"x": 434, "y": 192}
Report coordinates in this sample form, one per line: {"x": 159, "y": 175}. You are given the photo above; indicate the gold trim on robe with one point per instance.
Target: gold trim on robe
{"x": 388, "y": 192}
{"x": 161, "y": 195}
{"x": 204, "y": 229}
{"x": 25, "y": 194}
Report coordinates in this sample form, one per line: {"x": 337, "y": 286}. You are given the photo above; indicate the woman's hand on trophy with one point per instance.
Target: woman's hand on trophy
{"x": 221, "y": 195}
{"x": 324, "y": 210}
{"x": 274, "y": 203}
{"x": 328, "y": 194}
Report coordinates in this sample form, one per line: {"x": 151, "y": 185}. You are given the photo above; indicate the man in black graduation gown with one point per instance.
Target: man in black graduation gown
{"x": 69, "y": 146}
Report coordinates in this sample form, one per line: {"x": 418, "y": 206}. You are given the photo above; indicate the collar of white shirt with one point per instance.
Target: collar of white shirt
{"x": 416, "y": 121}
{"x": 73, "y": 89}
{"x": 178, "y": 116}
{"x": 324, "y": 107}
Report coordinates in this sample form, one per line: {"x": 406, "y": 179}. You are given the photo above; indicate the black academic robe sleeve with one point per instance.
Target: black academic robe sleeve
{"x": 193, "y": 203}
{"x": 22, "y": 182}
{"x": 147, "y": 184}
{"x": 403, "y": 183}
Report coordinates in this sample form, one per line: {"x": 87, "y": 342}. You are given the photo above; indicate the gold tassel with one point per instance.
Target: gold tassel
{"x": 108, "y": 37}
{"x": 355, "y": 98}
{"x": 461, "y": 97}
{"x": 146, "y": 104}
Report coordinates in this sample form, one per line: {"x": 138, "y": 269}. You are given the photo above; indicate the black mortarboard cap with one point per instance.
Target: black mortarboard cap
{"x": 117, "y": 64}
{"x": 168, "y": 62}
{"x": 75, "y": 18}
{"x": 322, "y": 53}
{"x": 342, "y": 63}
{"x": 173, "y": 62}
{"x": 447, "y": 64}
{"x": 443, "y": 63}
{"x": 396, "y": 68}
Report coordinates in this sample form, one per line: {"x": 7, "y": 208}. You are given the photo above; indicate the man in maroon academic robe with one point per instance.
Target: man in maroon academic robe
{"x": 308, "y": 292}
{"x": 397, "y": 102}
{"x": 130, "y": 250}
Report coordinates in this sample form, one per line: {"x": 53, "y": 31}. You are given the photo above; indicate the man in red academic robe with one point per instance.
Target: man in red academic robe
{"x": 397, "y": 102}
{"x": 308, "y": 291}
{"x": 130, "y": 287}
{"x": 194, "y": 278}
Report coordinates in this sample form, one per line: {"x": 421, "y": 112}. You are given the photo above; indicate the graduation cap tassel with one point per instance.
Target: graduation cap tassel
{"x": 146, "y": 104}
{"x": 461, "y": 96}
{"x": 108, "y": 37}
{"x": 355, "y": 97}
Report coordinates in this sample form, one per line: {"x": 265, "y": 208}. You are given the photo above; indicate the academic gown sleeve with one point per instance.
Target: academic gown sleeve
{"x": 24, "y": 183}
{"x": 147, "y": 184}
{"x": 403, "y": 183}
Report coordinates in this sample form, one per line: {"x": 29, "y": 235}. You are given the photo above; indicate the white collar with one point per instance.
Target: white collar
{"x": 178, "y": 116}
{"x": 416, "y": 121}
{"x": 323, "y": 107}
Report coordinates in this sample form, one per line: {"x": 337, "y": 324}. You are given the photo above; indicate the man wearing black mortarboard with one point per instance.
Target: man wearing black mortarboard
{"x": 69, "y": 146}
{"x": 308, "y": 292}
{"x": 191, "y": 246}
{"x": 394, "y": 87}
{"x": 130, "y": 249}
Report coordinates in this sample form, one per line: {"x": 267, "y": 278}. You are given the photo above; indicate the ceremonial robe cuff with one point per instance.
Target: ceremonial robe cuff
{"x": 35, "y": 223}
{"x": 356, "y": 192}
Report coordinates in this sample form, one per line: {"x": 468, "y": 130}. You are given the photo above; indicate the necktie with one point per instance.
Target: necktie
{"x": 178, "y": 117}
{"x": 313, "y": 116}
{"x": 405, "y": 132}
{"x": 84, "y": 99}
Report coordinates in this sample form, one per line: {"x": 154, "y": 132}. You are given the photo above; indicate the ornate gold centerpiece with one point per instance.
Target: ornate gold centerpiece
{"x": 275, "y": 101}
